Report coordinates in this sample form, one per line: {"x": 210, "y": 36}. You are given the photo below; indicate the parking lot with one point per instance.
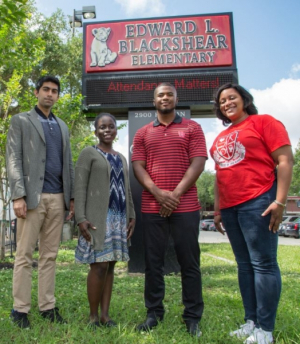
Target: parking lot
{"x": 216, "y": 237}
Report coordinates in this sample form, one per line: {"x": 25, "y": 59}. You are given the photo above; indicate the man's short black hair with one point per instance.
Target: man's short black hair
{"x": 47, "y": 78}
{"x": 165, "y": 84}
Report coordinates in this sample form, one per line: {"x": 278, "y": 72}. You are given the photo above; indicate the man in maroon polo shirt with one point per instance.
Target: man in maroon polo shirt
{"x": 168, "y": 157}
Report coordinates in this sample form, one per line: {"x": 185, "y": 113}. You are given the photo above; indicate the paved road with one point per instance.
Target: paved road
{"x": 215, "y": 237}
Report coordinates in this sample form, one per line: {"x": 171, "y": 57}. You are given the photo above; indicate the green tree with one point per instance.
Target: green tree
{"x": 13, "y": 51}
{"x": 32, "y": 46}
{"x": 11, "y": 11}
{"x": 63, "y": 53}
{"x": 205, "y": 187}
{"x": 62, "y": 58}
{"x": 54, "y": 52}
{"x": 295, "y": 185}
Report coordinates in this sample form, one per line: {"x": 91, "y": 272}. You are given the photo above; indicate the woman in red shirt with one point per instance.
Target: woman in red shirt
{"x": 254, "y": 164}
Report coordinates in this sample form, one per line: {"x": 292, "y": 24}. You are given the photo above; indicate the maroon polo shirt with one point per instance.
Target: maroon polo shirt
{"x": 167, "y": 151}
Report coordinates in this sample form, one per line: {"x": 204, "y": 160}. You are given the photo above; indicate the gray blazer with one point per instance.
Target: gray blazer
{"x": 92, "y": 192}
{"x": 26, "y": 158}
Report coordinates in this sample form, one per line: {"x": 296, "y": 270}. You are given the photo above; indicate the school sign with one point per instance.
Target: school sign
{"x": 125, "y": 60}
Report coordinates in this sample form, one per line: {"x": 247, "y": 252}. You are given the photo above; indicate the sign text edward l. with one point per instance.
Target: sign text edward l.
{"x": 163, "y": 43}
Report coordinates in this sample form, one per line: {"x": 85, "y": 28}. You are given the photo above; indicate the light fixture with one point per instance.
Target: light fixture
{"x": 88, "y": 12}
{"x": 75, "y": 21}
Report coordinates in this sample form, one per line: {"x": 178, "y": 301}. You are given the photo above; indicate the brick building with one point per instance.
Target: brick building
{"x": 293, "y": 205}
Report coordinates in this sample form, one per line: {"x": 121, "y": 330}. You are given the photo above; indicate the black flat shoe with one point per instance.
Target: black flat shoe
{"x": 53, "y": 315}
{"x": 94, "y": 325}
{"x": 19, "y": 318}
{"x": 147, "y": 325}
{"x": 193, "y": 328}
{"x": 109, "y": 323}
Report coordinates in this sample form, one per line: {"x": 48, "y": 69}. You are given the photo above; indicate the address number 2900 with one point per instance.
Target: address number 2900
{"x": 142, "y": 114}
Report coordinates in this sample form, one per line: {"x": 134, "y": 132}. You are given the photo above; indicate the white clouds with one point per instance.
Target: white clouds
{"x": 122, "y": 144}
{"x": 211, "y": 128}
{"x": 282, "y": 101}
{"x": 210, "y": 136}
{"x": 295, "y": 71}
{"x": 142, "y": 7}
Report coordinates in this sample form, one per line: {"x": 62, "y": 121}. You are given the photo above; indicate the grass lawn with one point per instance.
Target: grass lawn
{"x": 223, "y": 306}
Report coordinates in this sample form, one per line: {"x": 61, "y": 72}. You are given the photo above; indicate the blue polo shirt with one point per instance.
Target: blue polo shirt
{"x": 53, "y": 182}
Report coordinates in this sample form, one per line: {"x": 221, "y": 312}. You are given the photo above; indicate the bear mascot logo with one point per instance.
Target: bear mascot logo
{"x": 100, "y": 54}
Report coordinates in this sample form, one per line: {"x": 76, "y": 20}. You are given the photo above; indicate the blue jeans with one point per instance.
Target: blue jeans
{"x": 255, "y": 250}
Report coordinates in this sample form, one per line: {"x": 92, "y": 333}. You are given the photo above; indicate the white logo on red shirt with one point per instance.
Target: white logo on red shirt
{"x": 181, "y": 134}
{"x": 228, "y": 150}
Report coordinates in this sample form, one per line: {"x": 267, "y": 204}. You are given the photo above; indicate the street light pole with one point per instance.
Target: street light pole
{"x": 73, "y": 23}
{"x": 88, "y": 12}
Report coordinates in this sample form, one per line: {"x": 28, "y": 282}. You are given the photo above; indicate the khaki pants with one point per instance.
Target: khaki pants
{"x": 44, "y": 223}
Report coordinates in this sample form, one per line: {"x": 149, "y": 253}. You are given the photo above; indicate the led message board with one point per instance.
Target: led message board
{"x": 125, "y": 60}
{"x": 138, "y": 90}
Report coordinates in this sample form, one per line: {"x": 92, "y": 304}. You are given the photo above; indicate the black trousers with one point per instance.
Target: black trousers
{"x": 184, "y": 228}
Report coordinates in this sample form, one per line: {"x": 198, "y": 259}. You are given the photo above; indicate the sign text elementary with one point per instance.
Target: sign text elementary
{"x": 163, "y": 43}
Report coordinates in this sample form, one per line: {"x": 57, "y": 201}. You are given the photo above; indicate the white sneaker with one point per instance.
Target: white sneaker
{"x": 260, "y": 336}
{"x": 245, "y": 330}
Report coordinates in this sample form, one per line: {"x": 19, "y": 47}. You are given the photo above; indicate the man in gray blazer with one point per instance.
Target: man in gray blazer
{"x": 41, "y": 178}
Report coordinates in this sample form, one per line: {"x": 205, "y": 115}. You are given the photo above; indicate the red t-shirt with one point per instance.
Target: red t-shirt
{"x": 167, "y": 151}
{"x": 242, "y": 153}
